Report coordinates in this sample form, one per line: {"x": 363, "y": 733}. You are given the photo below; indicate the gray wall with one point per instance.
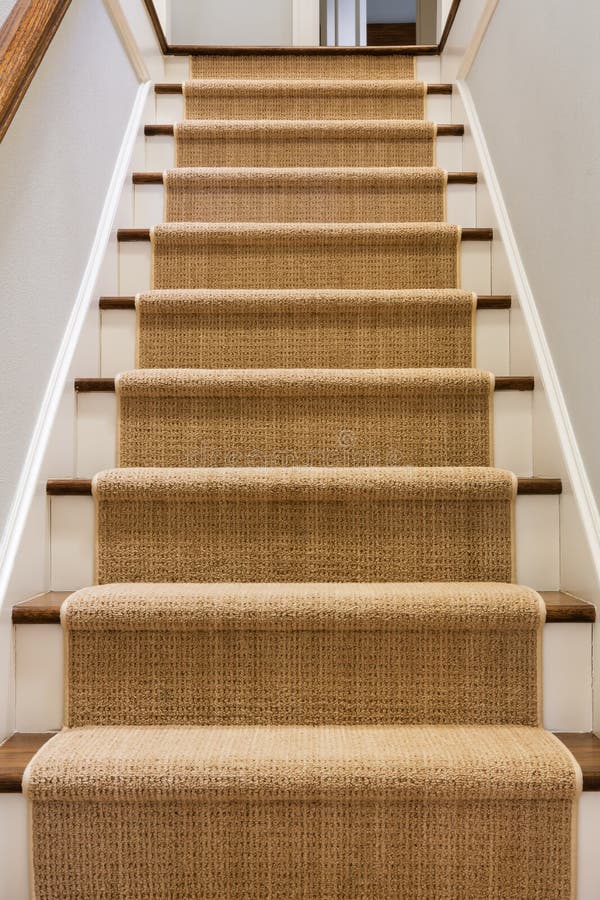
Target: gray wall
{"x": 391, "y": 10}
{"x": 267, "y": 22}
{"x": 536, "y": 84}
{"x": 56, "y": 162}
{"x": 5, "y": 8}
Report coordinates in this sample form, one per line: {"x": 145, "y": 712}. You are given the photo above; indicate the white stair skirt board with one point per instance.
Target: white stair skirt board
{"x": 177, "y": 68}
{"x": 160, "y": 152}
{"x": 72, "y": 541}
{"x": 96, "y": 432}
{"x": 461, "y": 205}
{"x": 117, "y": 348}
{"x": 169, "y": 108}
{"x": 14, "y": 838}
{"x": 567, "y": 676}
{"x": 134, "y": 267}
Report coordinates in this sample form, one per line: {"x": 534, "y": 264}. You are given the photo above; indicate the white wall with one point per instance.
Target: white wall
{"x": 57, "y": 160}
{"x": 5, "y": 8}
{"x": 391, "y": 10}
{"x": 266, "y": 22}
{"x": 535, "y": 88}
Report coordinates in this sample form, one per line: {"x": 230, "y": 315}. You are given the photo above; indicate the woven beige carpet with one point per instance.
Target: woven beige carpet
{"x": 340, "y": 812}
{"x": 303, "y": 65}
{"x": 305, "y": 524}
{"x": 363, "y": 194}
{"x": 282, "y": 654}
{"x": 305, "y": 417}
{"x": 305, "y": 329}
{"x": 305, "y": 143}
{"x": 214, "y": 98}
{"x": 290, "y": 255}
{"x": 305, "y": 672}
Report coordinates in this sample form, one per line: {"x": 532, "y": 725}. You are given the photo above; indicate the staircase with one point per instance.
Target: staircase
{"x": 313, "y": 566}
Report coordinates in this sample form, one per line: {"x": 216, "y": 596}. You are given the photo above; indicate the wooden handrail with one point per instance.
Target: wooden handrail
{"x": 24, "y": 38}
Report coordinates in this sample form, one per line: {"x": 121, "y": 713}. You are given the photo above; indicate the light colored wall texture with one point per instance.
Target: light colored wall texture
{"x": 535, "y": 87}
{"x": 56, "y": 162}
{"x": 263, "y": 22}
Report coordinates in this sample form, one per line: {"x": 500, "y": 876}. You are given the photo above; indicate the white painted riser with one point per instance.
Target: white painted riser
{"x": 96, "y": 432}
{"x": 177, "y": 68}
{"x": 72, "y": 542}
{"x": 160, "y": 152}
{"x": 14, "y": 853}
{"x": 169, "y": 108}
{"x": 461, "y": 205}
{"x": 135, "y": 258}
{"x": 117, "y": 351}
{"x": 566, "y": 672}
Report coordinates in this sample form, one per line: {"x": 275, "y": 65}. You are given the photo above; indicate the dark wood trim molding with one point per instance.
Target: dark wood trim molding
{"x": 24, "y": 38}
{"x": 207, "y": 50}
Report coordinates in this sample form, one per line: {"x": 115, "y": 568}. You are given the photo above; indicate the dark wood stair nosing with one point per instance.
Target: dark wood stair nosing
{"x": 177, "y": 88}
{"x": 18, "y": 750}
{"x": 44, "y": 608}
{"x": 82, "y": 487}
{"x": 228, "y": 50}
{"x": 484, "y": 301}
{"x": 130, "y": 235}
{"x": 158, "y": 177}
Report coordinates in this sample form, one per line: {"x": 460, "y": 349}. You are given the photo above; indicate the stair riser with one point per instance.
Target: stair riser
{"x": 461, "y": 204}
{"x": 135, "y": 258}
{"x": 118, "y": 340}
{"x": 160, "y": 152}
{"x": 566, "y": 672}
{"x": 169, "y": 108}
{"x": 177, "y": 68}
{"x": 14, "y": 844}
{"x": 96, "y": 432}
{"x": 72, "y": 542}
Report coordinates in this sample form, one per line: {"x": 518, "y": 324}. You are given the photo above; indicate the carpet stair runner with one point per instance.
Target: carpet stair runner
{"x": 304, "y": 671}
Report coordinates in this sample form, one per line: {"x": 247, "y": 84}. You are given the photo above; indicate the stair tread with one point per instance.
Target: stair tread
{"x": 17, "y": 751}
{"x": 502, "y": 382}
{"x": 158, "y": 177}
{"x": 45, "y": 608}
{"x": 168, "y": 130}
{"x": 127, "y": 235}
{"x": 484, "y": 301}
{"x": 56, "y": 487}
{"x": 177, "y": 87}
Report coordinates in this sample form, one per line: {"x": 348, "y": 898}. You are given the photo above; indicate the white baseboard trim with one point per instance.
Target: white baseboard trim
{"x": 579, "y": 482}
{"x": 34, "y": 458}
